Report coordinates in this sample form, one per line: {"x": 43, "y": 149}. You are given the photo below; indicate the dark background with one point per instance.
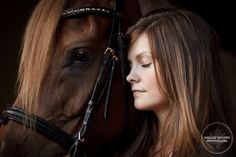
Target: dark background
{"x": 14, "y": 15}
{"x": 13, "y": 18}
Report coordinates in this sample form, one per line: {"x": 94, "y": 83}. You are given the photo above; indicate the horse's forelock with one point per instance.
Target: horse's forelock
{"x": 37, "y": 48}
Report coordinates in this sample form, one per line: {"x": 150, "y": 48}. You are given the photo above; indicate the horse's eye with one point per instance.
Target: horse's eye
{"x": 80, "y": 55}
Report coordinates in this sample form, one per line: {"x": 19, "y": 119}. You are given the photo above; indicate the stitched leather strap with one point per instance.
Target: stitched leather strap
{"x": 42, "y": 126}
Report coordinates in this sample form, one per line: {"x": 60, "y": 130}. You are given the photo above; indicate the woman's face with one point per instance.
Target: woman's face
{"x": 142, "y": 76}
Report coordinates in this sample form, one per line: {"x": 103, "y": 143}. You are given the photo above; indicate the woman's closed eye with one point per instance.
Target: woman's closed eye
{"x": 146, "y": 65}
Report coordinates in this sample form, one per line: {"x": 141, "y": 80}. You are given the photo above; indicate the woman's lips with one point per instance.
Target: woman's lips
{"x": 137, "y": 92}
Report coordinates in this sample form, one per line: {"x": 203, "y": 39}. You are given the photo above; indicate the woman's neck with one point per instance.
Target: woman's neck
{"x": 161, "y": 114}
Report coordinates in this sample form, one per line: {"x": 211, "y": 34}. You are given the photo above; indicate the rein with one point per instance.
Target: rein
{"x": 102, "y": 85}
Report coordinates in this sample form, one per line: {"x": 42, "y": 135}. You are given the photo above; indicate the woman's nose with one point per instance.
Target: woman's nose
{"x": 132, "y": 78}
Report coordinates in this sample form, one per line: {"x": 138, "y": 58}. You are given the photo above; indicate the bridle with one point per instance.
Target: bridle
{"x": 101, "y": 89}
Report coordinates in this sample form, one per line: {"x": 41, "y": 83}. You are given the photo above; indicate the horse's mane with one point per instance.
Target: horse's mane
{"x": 37, "y": 47}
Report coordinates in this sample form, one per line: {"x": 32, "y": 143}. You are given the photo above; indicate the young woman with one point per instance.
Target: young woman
{"x": 176, "y": 80}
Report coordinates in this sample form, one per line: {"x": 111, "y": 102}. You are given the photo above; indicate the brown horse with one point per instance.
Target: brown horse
{"x": 60, "y": 62}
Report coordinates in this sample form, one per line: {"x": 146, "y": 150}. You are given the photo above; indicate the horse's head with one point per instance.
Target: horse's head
{"x": 60, "y": 63}
{"x": 62, "y": 59}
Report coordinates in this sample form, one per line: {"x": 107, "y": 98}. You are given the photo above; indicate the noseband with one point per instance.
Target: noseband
{"x": 101, "y": 88}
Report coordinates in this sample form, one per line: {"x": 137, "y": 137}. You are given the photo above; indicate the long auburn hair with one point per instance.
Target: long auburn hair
{"x": 186, "y": 48}
{"x": 37, "y": 48}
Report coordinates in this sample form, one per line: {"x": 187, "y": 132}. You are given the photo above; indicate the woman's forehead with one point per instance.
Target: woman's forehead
{"x": 139, "y": 47}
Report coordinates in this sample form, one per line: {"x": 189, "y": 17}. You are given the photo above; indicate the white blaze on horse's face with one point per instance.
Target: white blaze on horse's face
{"x": 143, "y": 79}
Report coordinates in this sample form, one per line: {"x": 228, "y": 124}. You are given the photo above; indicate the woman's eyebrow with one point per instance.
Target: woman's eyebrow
{"x": 143, "y": 54}
{"x": 140, "y": 56}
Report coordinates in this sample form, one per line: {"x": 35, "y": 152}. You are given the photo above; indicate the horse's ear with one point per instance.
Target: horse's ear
{"x": 147, "y": 6}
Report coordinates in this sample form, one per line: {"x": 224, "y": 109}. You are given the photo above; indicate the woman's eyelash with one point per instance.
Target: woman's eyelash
{"x": 146, "y": 65}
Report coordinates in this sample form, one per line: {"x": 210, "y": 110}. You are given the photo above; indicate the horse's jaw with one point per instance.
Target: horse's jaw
{"x": 26, "y": 143}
